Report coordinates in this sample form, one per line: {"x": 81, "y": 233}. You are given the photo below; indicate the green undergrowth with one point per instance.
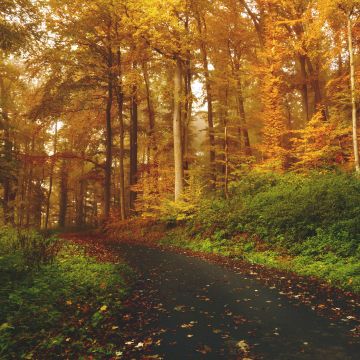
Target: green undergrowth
{"x": 59, "y": 306}
{"x": 309, "y": 224}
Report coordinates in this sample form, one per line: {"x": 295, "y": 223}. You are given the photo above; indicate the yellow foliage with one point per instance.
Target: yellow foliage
{"x": 321, "y": 143}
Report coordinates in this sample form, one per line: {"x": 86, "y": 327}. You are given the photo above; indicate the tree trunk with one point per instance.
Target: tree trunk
{"x": 304, "y": 88}
{"x": 315, "y": 84}
{"x": 8, "y": 178}
{"x": 177, "y": 131}
{"x": 108, "y": 162}
{"x": 80, "y": 198}
{"x": 51, "y": 175}
{"x": 223, "y": 119}
{"x": 244, "y": 130}
{"x": 37, "y": 204}
{"x": 209, "y": 100}
{"x": 152, "y": 151}
{"x": 120, "y": 103}
{"x": 188, "y": 102}
{"x": 226, "y": 152}
{"x": 241, "y": 109}
{"x": 8, "y": 196}
{"x": 29, "y": 192}
{"x": 150, "y": 108}
{"x": 187, "y": 112}
{"x": 353, "y": 95}
{"x": 63, "y": 194}
{"x": 133, "y": 145}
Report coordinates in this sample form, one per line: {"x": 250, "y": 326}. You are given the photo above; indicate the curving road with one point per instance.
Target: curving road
{"x": 200, "y": 310}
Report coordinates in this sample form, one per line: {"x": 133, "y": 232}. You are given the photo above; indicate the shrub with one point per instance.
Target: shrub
{"x": 286, "y": 210}
{"x": 32, "y": 248}
{"x": 299, "y": 207}
{"x": 61, "y": 308}
{"x": 309, "y": 223}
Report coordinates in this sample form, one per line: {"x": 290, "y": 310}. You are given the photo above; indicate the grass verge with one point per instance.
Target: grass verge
{"x": 63, "y": 308}
{"x": 343, "y": 272}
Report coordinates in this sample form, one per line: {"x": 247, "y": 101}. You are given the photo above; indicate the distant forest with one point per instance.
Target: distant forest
{"x": 115, "y": 108}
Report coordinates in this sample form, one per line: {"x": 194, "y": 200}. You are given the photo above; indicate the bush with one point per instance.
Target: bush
{"x": 310, "y": 223}
{"x": 32, "y": 248}
{"x": 63, "y": 307}
{"x": 287, "y": 210}
{"x": 299, "y": 207}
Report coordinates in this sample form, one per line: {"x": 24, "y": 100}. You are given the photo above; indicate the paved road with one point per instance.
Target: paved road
{"x": 203, "y": 311}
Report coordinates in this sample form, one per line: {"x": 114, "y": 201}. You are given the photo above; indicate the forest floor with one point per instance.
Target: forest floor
{"x": 187, "y": 305}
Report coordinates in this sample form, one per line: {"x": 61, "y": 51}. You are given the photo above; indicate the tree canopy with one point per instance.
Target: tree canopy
{"x": 115, "y": 108}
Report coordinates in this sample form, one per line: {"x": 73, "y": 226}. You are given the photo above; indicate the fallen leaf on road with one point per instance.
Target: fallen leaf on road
{"x": 243, "y": 346}
{"x": 180, "y": 308}
{"x": 204, "y": 350}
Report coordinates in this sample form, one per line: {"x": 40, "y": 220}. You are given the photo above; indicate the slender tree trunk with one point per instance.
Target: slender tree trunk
{"x": 353, "y": 95}
{"x": 29, "y": 192}
{"x": 8, "y": 206}
{"x": 150, "y": 108}
{"x": 241, "y": 109}
{"x": 225, "y": 140}
{"x": 187, "y": 103}
{"x": 187, "y": 112}
{"x": 244, "y": 130}
{"x": 37, "y": 204}
{"x": 51, "y": 175}
{"x": 304, "y": 88}
{"x": 120, "y": 103}
{"x": 108, "y": 162}
{"x": 257, "y": 20}
{"x": 152, "y": 150}
{"x": 209, "y": 100}
{"x": 8, "y": 178}
{"x": 80, "y": 198}
{"x": 177, "y": 131}
{"x": 226, "y": 154}
{"x": 315, "y": 84}
{"x": 133, "y": 145}
{"x": 120, "y": 100}
{"x": 223, "y": 122}
{"x": 63, "y": 194}
{"x": 80, "y": 204}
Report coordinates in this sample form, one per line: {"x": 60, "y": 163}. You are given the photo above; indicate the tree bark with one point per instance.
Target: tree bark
{"x": 150, "y": 108}
{"x": 152, "y": 150}
{"x": 304, "y": 88}
{"x": 226, "y": 152}
{"x": 37, "y": 204}
{"x": 177, "y": 131}
{"x": 315, "y": 84}
{"x": 80, "y": 198}
{"x": 187, "y": 102}
{"x": 353, "y": 95}
{"x": 187, "y": 112}
{"x": 108, "y": 141}
{"x": 209, "y": 100}
{"x": 133, "y": 145}
{"x": 8, "y": 196}
{"x": 242, "y": 115}
{"x": 241, "y": 109}
{"x": 8, "y": 178}
{"x": 29, "y": 190}
{"x": 51, "y": 175}
{"x": 120, "y": 103}
{"x": 63, "y": 194}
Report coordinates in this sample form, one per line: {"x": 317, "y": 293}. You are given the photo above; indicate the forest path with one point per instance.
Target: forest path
{"x": 202, "y": 310}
